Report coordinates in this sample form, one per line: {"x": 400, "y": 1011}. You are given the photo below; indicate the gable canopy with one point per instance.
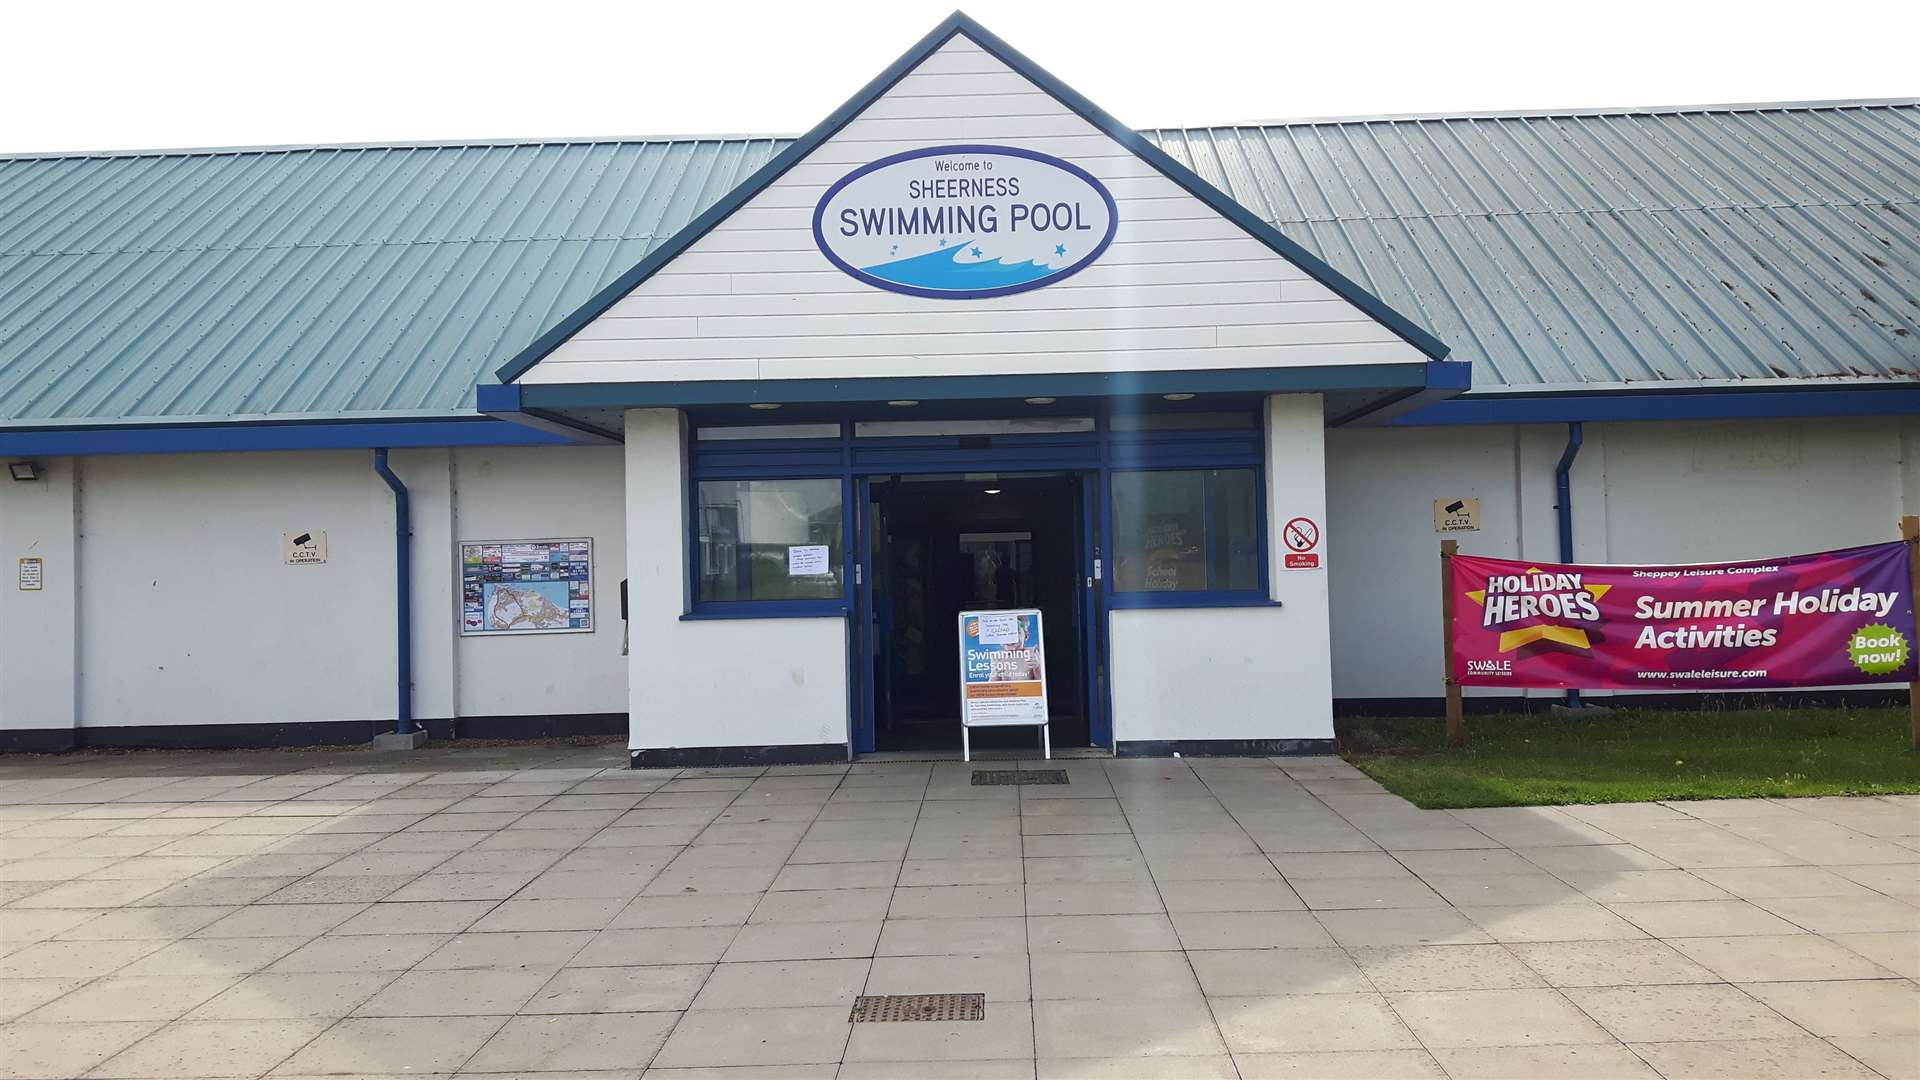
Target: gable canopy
{"x": 752, "y": 302}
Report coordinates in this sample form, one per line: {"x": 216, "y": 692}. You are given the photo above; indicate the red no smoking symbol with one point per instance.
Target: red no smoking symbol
{"x": 1301, "y": 534}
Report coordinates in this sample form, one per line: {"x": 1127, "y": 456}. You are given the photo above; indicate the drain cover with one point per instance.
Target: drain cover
{"x": 893, "y": 1008}
{"x": 1006, "y": 777}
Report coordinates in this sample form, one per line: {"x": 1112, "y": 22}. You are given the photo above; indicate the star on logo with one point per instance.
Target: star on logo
{"x": 1059, "y": 249}
{"x": 1527, "y": 635}
{"x": 975, "y": 252}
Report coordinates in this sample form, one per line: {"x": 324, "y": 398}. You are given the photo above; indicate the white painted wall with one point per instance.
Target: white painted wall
{"x": 715, "y": 682}
{"x": 1240, "y": 673}
{"x": 167, "y": 601}
{"x": 189, "y": 616}
{"x": 38, "y": 662}
{"x": 1181, "y": 288}
{"x": 1665, "y": 492}
{"x": 519, "y": 493}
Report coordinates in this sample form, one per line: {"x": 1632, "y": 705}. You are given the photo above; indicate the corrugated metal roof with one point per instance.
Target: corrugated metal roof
{"x": 1552, "y": 250}
{"x": 1577, "y": 250}
{"x": 318, "y": 281}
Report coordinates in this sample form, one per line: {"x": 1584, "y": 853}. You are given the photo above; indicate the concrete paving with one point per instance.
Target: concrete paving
{"x": 549, "y": 912}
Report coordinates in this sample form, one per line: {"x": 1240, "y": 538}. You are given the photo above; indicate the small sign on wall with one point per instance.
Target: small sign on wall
{"x": 1456, "y": 515}
{"x": 306, "y": 546}
{"x": 31, "y": 568}
{"x": 1302, "y": 538}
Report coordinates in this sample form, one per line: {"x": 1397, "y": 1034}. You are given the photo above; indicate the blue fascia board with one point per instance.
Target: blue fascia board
{"x": 1446, "y": 379}
{"x": 213, "y": 437}
{"x": 960, "y": 23}
{"x": 1101, "y": 384}
{"x": 504, "y": 403}
{"x": 1695, "y": 405}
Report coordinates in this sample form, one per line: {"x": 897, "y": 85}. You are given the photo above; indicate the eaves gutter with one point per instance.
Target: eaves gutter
{"x": 63, "y": 439}
{"x": 1853, "y": 399}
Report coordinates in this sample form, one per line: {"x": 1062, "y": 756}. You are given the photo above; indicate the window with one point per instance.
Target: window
{"x": 1185, "y": 531}
{"x": 770, "y": 540}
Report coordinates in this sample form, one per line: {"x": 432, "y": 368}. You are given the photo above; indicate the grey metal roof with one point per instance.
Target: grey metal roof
{"x": 1552, "y": 250}
{"x": 317, "y": 281}
{"x": 1580, "y": 250}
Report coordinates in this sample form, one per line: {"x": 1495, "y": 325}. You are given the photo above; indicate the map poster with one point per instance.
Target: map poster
{"x": 526, "y": 587}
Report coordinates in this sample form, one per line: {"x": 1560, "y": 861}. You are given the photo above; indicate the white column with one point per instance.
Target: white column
{"x": 738, "y": 685}
{"x": 1297, "y": 487}
{"x": 39, "y": 628}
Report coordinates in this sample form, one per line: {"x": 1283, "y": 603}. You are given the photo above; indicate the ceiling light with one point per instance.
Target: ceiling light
{"x": 1177, "y": 397}
{"x": 992, "y": 491}
{"x": 905, "y": 403}
{"x": 764, "y": 405}
{"x": 24, "y": 470}
{"x": 1041, "y": 400}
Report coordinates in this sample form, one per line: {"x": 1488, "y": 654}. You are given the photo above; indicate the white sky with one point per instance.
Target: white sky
{"x": 192, "y": 73}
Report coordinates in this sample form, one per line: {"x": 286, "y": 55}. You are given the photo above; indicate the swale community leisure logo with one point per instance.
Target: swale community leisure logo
{"x": 964, "y": 222}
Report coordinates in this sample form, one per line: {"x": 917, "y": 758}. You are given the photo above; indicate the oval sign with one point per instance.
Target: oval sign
{"x": 964, "y": 222}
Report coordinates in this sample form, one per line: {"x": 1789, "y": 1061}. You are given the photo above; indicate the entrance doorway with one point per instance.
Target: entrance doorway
{"x": 937, "y": 545}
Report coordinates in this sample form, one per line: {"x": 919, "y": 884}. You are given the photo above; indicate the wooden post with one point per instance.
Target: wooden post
{"x": 1910, "y": 532}
{"x": 1456, "y": 722}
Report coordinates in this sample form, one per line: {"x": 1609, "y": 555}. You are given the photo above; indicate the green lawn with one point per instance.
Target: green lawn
{"x": 1631, "y": 755}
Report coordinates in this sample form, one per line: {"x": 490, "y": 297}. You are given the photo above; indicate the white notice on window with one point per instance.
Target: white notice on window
{"x": 30, "y": 574}
{"x": 807, "y": 560}
{"x": 999, "y": 628}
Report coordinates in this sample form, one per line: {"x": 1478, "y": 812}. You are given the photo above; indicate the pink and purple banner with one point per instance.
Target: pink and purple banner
{"x": 1829, "y": 619}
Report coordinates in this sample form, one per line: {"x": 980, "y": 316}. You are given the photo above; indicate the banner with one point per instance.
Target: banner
{"x": 1830, "y": 619}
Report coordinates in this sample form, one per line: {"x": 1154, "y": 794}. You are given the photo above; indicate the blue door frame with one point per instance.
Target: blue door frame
{"x": 870, "y": 622}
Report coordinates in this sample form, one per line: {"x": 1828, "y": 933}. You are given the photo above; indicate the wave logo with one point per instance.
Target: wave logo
{"x": 964, "y": 222}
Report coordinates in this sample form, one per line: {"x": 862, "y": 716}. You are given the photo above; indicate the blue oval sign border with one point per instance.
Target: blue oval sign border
{"x": 820, "y": 209}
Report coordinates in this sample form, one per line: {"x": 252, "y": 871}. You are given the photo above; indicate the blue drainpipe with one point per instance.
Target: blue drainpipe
{"x": 1563, "y": 487}
{"x": 403, "y": 586}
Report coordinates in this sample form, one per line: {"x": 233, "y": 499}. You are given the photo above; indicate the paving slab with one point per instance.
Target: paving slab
{"x": 547, "y": 912}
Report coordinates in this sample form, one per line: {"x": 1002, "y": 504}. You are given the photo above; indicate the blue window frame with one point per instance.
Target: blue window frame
{"x": 770, "y": 540}
{"x": 1187, "y": 537}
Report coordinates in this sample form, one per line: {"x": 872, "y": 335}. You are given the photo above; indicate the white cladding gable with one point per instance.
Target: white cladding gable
{"x": 1180, "y": 288}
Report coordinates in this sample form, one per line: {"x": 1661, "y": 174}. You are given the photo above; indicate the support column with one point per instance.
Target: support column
{"x": 1297, "y": 487}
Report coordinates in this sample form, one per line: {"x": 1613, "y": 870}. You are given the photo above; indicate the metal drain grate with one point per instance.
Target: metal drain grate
{"x": 894, "y": 1008}
{"x": 1009, "y": 777}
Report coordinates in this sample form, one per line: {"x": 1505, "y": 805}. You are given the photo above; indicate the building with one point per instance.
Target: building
{"x": 276, "y": 416}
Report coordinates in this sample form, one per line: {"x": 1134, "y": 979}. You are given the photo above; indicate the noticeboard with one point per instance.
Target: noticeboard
{"x": 1003, "y": 670}
{"x": 526, "y": 587}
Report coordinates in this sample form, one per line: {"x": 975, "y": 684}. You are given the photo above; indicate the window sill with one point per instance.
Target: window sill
{"x": 1149, "y": 601}
{"x": 768, "y": 609}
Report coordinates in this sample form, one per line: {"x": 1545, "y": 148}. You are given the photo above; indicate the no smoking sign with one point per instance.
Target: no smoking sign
{"x": 1302, "y": 537}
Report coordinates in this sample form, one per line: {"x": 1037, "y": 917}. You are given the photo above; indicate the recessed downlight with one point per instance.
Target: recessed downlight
{"x": 1177, "y": 397}
{"x": 991, "y": 491}
{"x": 903, "y": 403}
{"x": 1041, "y": 400}
{"x": 764, "y": 405}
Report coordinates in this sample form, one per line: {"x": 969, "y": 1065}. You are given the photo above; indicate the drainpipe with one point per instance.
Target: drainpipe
{"x": 1563, "y": 488}
{"x": 403, "y": 588}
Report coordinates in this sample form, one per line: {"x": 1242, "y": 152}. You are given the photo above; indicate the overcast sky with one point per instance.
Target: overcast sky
{"x": 83, "y": 76}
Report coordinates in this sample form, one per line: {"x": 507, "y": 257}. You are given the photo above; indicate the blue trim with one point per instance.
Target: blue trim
{"x": 1563, "y": 509}
{"x": 766, "y": 609}
{"x": 402, "y": 588}
{"x": 1625, "y": 406}
{"x": 820, "y": 208}
{"x": 311, "y": 435}
{"x": 1122, "y": 601}
{"x": 1446, "y": 379}
{"x": 997, "y": 388}
{"x": 959, "y": 23}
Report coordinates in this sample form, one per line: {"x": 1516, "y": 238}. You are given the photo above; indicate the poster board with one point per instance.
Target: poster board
{"x": 1003, "y": 671}
{"x": 526, "y": 587}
